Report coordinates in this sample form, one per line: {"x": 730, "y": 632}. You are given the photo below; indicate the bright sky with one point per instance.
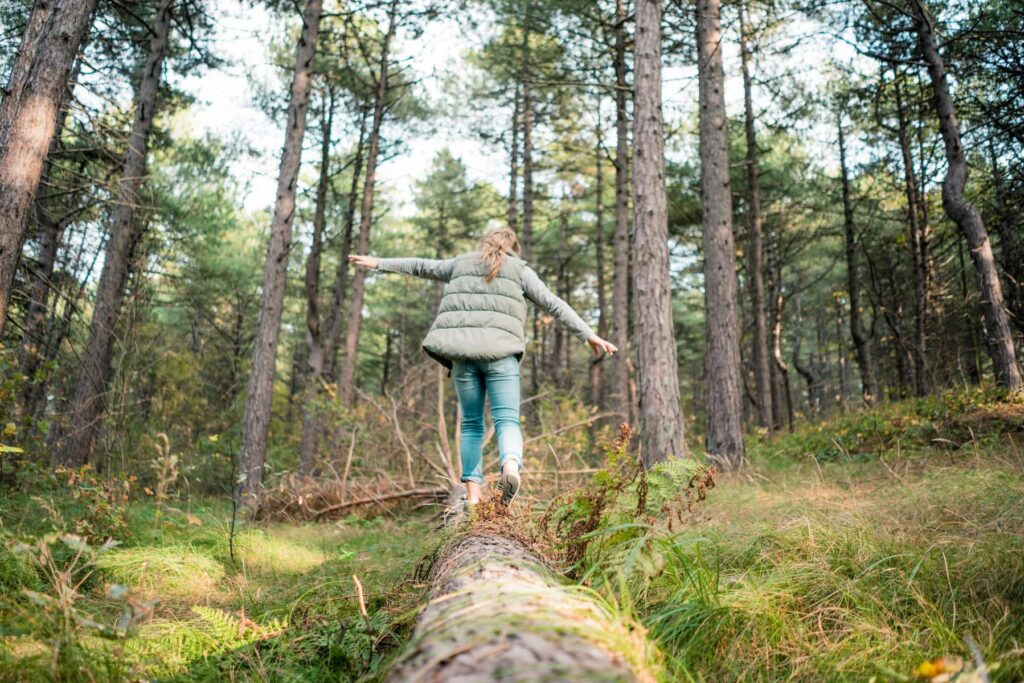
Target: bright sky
{"x": 225, "y": 105}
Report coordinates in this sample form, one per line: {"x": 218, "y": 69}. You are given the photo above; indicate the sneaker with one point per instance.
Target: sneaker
{"x": 510, "y": 482}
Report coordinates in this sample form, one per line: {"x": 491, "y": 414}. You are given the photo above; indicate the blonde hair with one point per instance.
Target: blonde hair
{"x": 494, "y": 247}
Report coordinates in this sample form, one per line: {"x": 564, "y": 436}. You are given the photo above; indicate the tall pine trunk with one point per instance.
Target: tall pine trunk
{"x": 31, "y": 37}
{"x": 596, "y": 376}
{"x": 620, "y": 401}
{"x": 755, "y": 241}
{"x": 253, "y": 453}
{"x": 861, "y": 341}
{"x": 314, "y": 327}
{"x": 336, "y": 316}
{"x": 28, "y": 118}
{"x": 918, "y": 252}
{"x": 782, "y": 397}
{"x": 661, "y": 419}
{"x": 49, "y": 229}
{"x": 965, "y": 215}
{"x": 526, "y": 236}
{"x": 722, "y": 328}
{"x": 513, "y": 164}
{"x": 1011, "y": 247}
{"x": 73, "y": 444}
{"x": 346, "y": 382}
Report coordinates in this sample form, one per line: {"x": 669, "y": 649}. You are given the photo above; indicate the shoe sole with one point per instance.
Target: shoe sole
{"x": 509, "y": 488}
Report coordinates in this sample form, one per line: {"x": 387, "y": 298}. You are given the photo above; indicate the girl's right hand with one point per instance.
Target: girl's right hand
{"x": 364, "y": 261}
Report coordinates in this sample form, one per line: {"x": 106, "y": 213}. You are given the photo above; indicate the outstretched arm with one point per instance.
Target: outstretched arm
{"x": 537, "y": 292}
{"x": 429, "y": 269}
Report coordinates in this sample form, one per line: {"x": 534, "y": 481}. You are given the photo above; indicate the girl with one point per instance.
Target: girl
{"x": 480, "y": 336}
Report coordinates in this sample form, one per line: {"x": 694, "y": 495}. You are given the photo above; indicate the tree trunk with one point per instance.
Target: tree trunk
{"x": 965, "y": 215}
{"x": 49, "y": 228}
{"x": 755, "y": 242}
{"x": 495, "y": 610}
{"x": 974, "y": 359}
{"x": 843, "y": 395}
{"x": 253, "y": 453}
{"x": 661, "y": 418}
{"x": 783, "y": 397}
{"x": 620, "y": 401}
{"x": 526, "y": 236}
{"x": 1011, "y": 248}
{"x": 73, "y": 445}
{"x": 336, "y": 317}
{"x": 346, "y": 383}
{"x": 596, "y": 375}
{"x": 722, "y": 328}
{"x": 31, "y": 36}
{"x": 513, "y": 170}
{"x": 314, "y": 335}
{"x": 557, "y": 369}
{"x": 807, "y": 371}
{"x": 28, "y": 118}
{"x": 861, "y": 341}
{"x": 917, "y": 249}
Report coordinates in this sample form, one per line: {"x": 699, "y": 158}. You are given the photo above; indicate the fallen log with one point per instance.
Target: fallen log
{"x": 496, "y": 610}
{"x": 397, "y": 495}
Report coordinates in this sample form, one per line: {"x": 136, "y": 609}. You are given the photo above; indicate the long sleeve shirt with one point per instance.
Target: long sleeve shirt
{"x": 533, "y": 288}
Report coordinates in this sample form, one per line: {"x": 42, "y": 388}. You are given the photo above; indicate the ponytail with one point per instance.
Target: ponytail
{"x": 494, "y": 248}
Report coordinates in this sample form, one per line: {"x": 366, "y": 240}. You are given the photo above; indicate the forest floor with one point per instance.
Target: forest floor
{"x": 884, "y": 544}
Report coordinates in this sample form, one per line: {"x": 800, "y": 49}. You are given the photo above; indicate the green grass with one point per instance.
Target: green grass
{"x": 284, "y": 608}
{"x": 851, "y": 549}
{"x": 844, "y": 564}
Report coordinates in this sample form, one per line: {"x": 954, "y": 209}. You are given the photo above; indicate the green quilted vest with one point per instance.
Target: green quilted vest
{"x": 477, "y": 319}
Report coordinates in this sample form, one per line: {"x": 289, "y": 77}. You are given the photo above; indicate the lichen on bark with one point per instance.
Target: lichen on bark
{"x": 496, "y": 610}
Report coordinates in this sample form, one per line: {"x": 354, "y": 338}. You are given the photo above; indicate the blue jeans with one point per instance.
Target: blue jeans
{"x": 474, "y": 381}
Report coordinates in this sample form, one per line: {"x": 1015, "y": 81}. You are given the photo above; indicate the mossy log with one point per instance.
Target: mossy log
{"x": 496, "y": 611}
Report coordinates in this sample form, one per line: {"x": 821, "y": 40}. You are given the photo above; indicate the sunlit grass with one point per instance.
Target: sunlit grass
{"x": 844, "y": 567}
{"x": 172, "y": 572}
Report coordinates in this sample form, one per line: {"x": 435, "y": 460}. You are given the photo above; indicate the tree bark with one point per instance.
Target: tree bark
{"x": 526, "y": 236}
{"x": 336, "y": 317}
{"x": 807, "y": 371}
{"x": 724, "y": 385}
{"x": 73, "y": 445}
{"x": 755, "y": 241}
{"x": 31, "y": 35}
{"x": 558, "y": 370}
{"x": 495, "y": 610}
{"x": 918, "y": 258}
{"x": 1011, "y": 248}
{"x": 49, "y": 228}
{"x": 661, "y": 419}
{"x": 620, "y": 401}
{"x": 596, "y": 375}
{"x": 843, "y": 395}
{"x": 346, "y": 383}
{"x": 314, "y": 334}
{"x": 965, "y": 215}
{"x": 513, "y": 162}
{"x": 253, "y": 453}
{"x": 28, "y": 118}
{"x": 783, "y": 397}
{"x": 861, "y": 341}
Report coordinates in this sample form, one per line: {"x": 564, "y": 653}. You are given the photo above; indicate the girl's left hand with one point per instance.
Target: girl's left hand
{"x": 599, "y": 346}
{"x": 364, "y": 261}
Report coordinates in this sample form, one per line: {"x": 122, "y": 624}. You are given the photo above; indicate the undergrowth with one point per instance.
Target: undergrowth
{"x": 885, "y": 544}
{"x": 895, "y": 556}
{"x": 285, "y": 608}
